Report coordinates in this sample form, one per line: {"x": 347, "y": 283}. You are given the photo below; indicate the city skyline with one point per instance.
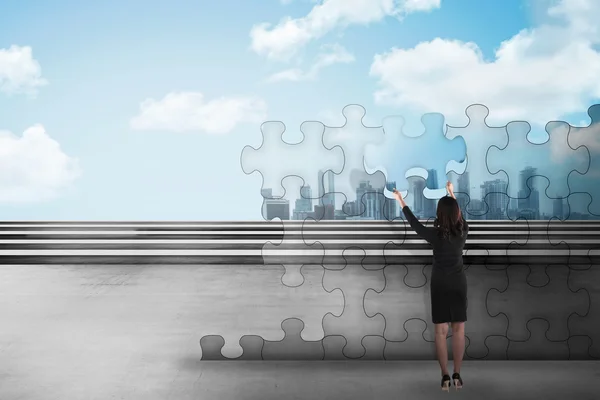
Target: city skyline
{"x": 493, "y": 204}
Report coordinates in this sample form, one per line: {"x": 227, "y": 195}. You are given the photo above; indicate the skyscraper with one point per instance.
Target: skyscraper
{"x": 494, "y": 194}
{"x": 304, "y": 204}
{"x": 558, "y": 208}
{"x": 371, "y": 200}
{"x": 278, "y": 208}
{"x": 274, "y": 208}
{"x": 326, "y": 188}
{"x": 464, "y": 187}
{"x": 418, "y": 196}
{"x": 529, "y": 199}
{"x": 390, "y": 210}
{"x": 430, "y": 205}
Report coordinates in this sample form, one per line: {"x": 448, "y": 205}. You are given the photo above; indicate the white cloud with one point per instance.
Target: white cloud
{"x": 33, "y": 168}
{"x": 283, "y": 40}
{"x": 189, "y": 111}
{"x": 330, "y": 55}
{"x": 539, "y": 74}
{"x": 19, "y": 71}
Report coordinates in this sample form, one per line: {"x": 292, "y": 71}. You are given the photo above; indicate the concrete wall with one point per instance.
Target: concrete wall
{"x": 330, "y": 290}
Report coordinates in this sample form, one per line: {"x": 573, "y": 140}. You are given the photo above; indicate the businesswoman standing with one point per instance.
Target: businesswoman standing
{"x": 448, "y": 284}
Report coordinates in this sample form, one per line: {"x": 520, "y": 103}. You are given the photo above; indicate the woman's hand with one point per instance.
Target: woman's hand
{"x": 398, "y": 197}
{"x": 450, "y": 188}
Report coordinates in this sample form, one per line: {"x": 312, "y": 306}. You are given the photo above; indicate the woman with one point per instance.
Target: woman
{"x": 448, "y": 280}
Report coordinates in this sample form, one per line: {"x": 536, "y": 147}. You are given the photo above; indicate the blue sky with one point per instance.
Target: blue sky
{"x": 140, "y": 111}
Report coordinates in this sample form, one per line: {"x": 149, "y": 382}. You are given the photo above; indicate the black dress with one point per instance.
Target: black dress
{"x": 448, "y": 284}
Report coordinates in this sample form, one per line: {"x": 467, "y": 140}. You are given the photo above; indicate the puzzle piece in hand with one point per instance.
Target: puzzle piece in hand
{"x": 292, "y": 346}
{"x": 521, "y": 301}
{"x": 400, "y": 153}
{"x": 211, "y": 346}
{"x": 354, "y": 280}
{"x": 589, "y": 138}
{"x": 543, "y": 158}
{"x": 538, "y": 346}
{"x": 352, "y": 137}
{"x": 479, "y": 137}
{"x": 292, "y": 240}
{"x": 277, "y": 159}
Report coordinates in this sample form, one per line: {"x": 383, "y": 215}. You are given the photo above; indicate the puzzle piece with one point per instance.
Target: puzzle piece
{"x": 292, "y": 346}
{"x": 521, "y": 301}
{"x": 252, "y": 301}
{"x": 414, "y": 346}
{"x": 497, "y": 346}
{"x": 400, "y": 153}
{"x": 588, "y": 138}
{"x": 348, "y": 235}
{"x": 354, "y": 280}
{"x": 212, "y": 344}
{"x": 479, "y": 137}
{"x": 352, "y": 137}
{"x": 524, "y": 153}
{"x": 398, "y": 302}
{"x": 292, "y": 240}
{"x": 277, "y": 159}
{"x": 586, "y": 279}
{"x": 537, "y": 346}
{"x": 481, "y": 325}
{"x": 579, "y": 347}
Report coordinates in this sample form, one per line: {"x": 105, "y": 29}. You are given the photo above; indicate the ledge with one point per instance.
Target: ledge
{"x": 241, "y": 242}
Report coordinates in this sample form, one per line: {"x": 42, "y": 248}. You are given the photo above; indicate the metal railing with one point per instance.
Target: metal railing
{"x": 327, "y": 242}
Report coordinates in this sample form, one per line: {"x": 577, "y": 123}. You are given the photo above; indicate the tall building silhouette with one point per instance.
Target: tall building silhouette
{"x": 304, "y": 204}
{"x": 372, "y": 200}
{"x": 418, "y": 197}
{"x": 464, "y": 187}
{"x": 430, "y": 205}
{"x": 494, "y": 194}
{"x": 390, "y": 209}
{"x": 326, "y": 188}
{"x": 558, "y": 208}
{"x": 529, "y": 199}
{"x": 274, "y": 208}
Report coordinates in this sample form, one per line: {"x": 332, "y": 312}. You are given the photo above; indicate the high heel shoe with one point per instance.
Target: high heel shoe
{"x": 446, "y": 383}
{"x": 458, "y": 382}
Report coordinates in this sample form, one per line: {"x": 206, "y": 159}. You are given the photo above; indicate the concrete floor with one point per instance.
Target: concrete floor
{"x": 108, "y": 332}
{"x": 189, "y": 378}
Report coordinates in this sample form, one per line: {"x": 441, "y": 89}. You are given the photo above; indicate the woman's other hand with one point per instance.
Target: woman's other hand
{"x": 398, "y": 197}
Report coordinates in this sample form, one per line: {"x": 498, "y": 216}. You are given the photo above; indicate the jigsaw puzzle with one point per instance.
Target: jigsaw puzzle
{"x": 586, "y": 182}
{"x": 555, "y": 165}
{"x": 479, "y": 137}
{"x": 359, "y": 289}
{"x": 400, "y": 153}
{"x": 353, "y": 137}
{"x": 277, "y": 159}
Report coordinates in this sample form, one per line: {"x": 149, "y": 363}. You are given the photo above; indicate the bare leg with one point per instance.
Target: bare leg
{"x": 441, "y": 334}
{"x": 458, "y": 344}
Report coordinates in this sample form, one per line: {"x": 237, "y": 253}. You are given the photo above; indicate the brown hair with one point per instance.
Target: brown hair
{"x": 448, "y": 221}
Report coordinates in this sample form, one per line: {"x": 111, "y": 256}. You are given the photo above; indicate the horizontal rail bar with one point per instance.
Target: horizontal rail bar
{"x": 490, "y": 242}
